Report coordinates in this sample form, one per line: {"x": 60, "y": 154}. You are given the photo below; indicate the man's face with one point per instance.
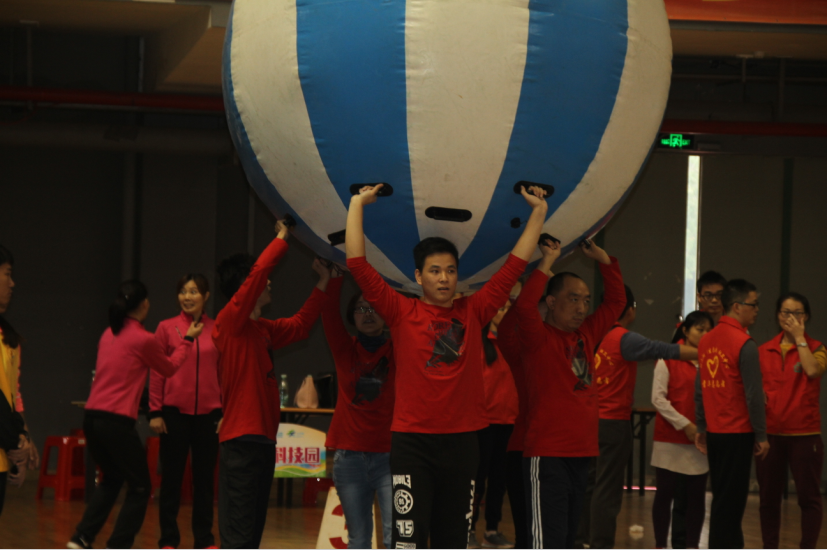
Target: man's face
{"x": 748, "y": 310}
{"x": 709, "y": 299}
{"x": 438, "y": 278}
{"x": 6, "y": 286}
{"x": 570, "y": 307}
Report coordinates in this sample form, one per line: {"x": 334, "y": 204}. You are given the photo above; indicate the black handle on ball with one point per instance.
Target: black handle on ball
{"x": 386, "y": 191}
{"x": 546, "y": 237}
{"x": 289, "y": 220}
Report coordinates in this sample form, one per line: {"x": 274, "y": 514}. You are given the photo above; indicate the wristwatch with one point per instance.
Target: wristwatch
{"x": 802, "y": 345}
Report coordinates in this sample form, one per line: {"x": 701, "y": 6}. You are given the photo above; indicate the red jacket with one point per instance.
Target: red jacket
{"x": 364, "y": 407}
{"x": 724, "y": 397}
{"x": 615, "y": 377}
{"x": 681, "y": 394}
{"x": 123, "y": 363}
{"x": 562, "y": 408}
{"x": 792, "y": 396}
{"x": 438, "y": 350}
{"x": 194, "y": 389}
{"x": 249, "y": 387}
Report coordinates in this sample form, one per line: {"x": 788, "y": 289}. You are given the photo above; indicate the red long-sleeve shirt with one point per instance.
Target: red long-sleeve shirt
{"x": 249, "y": 388}
{"x": 364, "y": 408}
{"x": 194, "y": 389}
{"x": 438, "y": 350}
{"x": 501, "y": 401}
{"x": 562, "y": 408}
{"x": 124, "y": 359}
{"x": 508, "y": 338}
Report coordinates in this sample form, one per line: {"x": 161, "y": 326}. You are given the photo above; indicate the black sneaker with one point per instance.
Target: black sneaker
{"x": 472, "y": 539}
{"x": 496, "y": 540}
{"x": 77, "y": 542}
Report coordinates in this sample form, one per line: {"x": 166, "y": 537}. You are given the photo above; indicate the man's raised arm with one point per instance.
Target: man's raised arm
{"x": 536, "y": 198}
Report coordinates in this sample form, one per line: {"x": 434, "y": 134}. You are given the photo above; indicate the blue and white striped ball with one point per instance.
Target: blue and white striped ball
{"x": 451, "y": 102}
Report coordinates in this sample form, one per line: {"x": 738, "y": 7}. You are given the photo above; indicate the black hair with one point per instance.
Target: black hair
{"x": 200, "y": 281}
{"x": 793, "y": 296}
{"x": 710, "y": 278}
{"x": 130, "y": 296}
{"x": 692, "y": 320}
{"x": 10, "y": 336}
{"x": 488, "y": 346}
{"x": 433, "y": 245}
{"x": 736, "y": 290}
{"x": 556, "y": 283}
{"x": 232, "y": 271}
{"x": 630, "y": 301}
{"x": 351, "y": 308}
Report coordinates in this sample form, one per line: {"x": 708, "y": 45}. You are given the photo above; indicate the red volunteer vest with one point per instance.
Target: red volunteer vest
{"x": 725, "y": 402}
{"x": 681, "y": 393}
{"x": 792, "y": 396}
{"x": 615, "y": 377}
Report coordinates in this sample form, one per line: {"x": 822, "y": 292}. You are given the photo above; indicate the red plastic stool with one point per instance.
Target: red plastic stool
{"x": 312, "y": 487}
{"x": 69, "y": 479}
{"x": 153, "y": 447}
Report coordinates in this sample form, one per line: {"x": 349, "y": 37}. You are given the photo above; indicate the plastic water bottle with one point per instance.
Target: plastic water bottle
{"x": 284, "y": 392}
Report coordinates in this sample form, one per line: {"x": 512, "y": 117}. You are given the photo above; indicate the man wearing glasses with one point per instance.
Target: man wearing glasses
{"x": 562, "y": 404}
{"x": 710, "y": 289}
{"x": 730, "y": 412}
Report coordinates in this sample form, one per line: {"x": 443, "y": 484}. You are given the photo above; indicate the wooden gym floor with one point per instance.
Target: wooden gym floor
{"x": 29, "y": 523}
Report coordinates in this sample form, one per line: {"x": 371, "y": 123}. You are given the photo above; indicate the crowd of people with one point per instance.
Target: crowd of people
{"x": 444, "y": 399}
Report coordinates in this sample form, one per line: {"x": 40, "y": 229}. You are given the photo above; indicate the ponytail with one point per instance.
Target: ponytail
{"x": 130, "y": 296}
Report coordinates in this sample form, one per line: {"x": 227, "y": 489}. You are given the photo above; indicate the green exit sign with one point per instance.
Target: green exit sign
{"x": 676, "y": 141}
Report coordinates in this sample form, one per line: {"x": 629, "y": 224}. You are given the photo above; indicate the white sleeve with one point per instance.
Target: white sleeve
{"x": 660, "y": 388}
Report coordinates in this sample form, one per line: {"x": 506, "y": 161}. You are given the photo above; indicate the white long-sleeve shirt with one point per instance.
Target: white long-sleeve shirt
{"x": 676, "y": 457}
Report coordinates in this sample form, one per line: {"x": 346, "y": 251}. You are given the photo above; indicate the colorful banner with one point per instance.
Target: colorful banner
{"x": 300, "y": 452}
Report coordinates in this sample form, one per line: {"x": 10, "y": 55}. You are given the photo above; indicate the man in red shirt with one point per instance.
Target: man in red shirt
{"x": 249, "y": 388}
{"x": 730, "y": 414}
{"x": 562, "y": 411}
{"x": 440, "y": 398}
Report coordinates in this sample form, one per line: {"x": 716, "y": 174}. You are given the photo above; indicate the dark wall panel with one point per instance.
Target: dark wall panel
{"x": 62, "y": 221}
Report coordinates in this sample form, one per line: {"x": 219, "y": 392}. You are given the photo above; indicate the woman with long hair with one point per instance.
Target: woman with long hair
{"x": 361, "y": 427}
{"x": 185, "y": 410}
{"x": 126, "y": 352}
{"x": 792, "y": 364}
{"x": 674, "y": 455}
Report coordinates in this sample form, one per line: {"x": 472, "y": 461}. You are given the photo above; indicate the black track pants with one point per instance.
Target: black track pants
{"x": 433, "y": 488}
{"x": 187, "y": 432}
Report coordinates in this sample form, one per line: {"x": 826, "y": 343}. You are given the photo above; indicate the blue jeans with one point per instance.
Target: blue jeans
{"x": 357, "y": 477}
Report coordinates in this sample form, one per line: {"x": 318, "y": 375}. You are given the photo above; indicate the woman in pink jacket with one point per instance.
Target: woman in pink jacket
{"x": 126, "y": 352}
{"x": 185, "y": 410}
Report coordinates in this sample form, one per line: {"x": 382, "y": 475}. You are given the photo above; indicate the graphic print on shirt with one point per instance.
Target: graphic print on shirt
{"x": 713, "y": 360}
{"x": 369, "y": 386}
{"x": 448, "y": 342}
{"x": 580, "y": 366}
{"x": 600, "y": 358}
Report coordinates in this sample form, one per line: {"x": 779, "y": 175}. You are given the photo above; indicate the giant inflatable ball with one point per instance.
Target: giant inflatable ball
{"x": 452, "y": 103}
